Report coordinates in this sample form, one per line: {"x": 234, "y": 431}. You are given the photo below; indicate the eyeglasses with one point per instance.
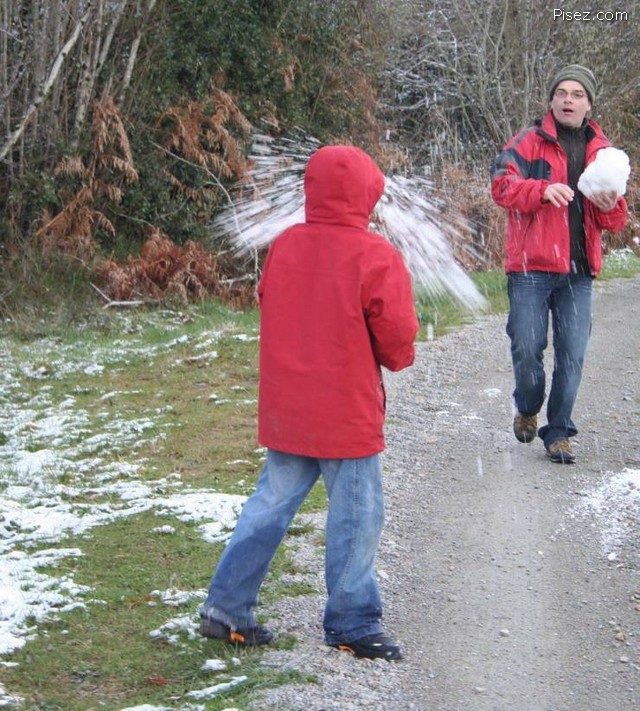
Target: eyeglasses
{"x": 562, "y": 94}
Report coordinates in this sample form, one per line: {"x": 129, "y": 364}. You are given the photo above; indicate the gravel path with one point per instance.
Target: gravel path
{"x": 512, "y": 582}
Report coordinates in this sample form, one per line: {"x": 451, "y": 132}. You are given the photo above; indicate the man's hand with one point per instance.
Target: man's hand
{"x": 558, "y": 194}
{"x": 605, "y": 201}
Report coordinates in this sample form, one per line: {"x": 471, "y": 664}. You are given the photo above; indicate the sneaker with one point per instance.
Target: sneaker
{"x": 373, "y": 646}
{"x": 560, "y": 451}
{"x": 525, "y": 427}
{"x": 247, "y": 636}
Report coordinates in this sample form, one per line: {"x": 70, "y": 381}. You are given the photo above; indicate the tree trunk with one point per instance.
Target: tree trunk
{"x": 133, "y": 53}
{"x": 46, "y": 88}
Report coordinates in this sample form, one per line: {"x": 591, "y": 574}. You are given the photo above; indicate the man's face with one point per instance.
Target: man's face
{"x": 570, "y": 103}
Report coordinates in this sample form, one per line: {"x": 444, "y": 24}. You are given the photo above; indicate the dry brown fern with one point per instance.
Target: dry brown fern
{"x": 110, "y": 164}
{"x": 202, "y": 134}
{"x": 71, "y": 230}
{"x": 164, "y": 270}
{"x": 110, "y": 145}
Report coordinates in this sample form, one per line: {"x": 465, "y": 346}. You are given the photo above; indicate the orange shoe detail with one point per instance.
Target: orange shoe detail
{"x": 345, "y": 648}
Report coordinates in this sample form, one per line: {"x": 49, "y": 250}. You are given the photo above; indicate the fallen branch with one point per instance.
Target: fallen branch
{"x": 246, "y": 277}
{"x": 114, "y": 304}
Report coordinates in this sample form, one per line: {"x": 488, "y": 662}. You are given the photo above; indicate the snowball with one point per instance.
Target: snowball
{"x": 609, "y": 171}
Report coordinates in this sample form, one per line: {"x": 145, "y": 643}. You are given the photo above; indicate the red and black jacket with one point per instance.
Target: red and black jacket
{"x": 538, "y": 232}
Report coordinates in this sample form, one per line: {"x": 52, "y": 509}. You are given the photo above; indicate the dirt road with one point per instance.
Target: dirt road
{"x": 512, "y": 582}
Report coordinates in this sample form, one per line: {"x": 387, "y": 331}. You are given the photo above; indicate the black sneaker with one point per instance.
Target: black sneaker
{"x": 246, "y": 636}
{"x": 525, "y": 427}
{"x": 373, "y": 646}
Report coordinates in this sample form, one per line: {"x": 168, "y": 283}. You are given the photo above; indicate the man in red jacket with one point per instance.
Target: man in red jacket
{"x": 336, "y": 304}
{"x": 553, "y": 252}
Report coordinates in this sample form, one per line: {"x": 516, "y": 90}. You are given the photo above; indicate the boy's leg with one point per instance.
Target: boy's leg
{"x": 354, "y": 524}
{"x": 285, "y": 481}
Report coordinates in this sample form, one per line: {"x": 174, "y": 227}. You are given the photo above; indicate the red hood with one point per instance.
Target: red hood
{"x": 342, "y": 185}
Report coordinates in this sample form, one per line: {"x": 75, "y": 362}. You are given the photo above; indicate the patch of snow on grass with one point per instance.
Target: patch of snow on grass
{"x": 170, "y": 632}
{"x": 211, "y": 691}
{"x": 177, "y": 598}
{"x": 7, "y": 700}
{"x": 214, "y": 665}
{"x": 56, "y": 477}
{"x": 27, "y": 595}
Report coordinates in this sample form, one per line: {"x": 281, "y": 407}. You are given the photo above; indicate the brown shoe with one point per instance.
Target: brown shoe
{"x": 525, "y": 427}
{"x": 560, "y": 452}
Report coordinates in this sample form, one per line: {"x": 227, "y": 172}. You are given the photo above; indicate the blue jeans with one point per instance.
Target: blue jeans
{"x": 354, "y": 523}
{"x": 532, "y": 295}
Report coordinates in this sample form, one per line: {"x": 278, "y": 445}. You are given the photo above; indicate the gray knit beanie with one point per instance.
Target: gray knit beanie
{"x": 575, "y": 72}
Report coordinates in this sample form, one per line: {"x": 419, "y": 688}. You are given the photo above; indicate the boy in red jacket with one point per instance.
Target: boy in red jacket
{"x": 553, "y": 253}
{"x": 336, "y": 304}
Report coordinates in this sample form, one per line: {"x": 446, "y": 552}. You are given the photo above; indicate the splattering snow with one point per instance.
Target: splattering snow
{"x": 408, "y": 214}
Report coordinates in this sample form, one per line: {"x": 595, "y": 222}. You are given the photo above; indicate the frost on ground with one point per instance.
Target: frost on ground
{"x": 58, "y": 477}
{"x": 616, "y": 505}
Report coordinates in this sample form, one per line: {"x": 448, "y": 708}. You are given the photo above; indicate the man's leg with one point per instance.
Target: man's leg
{"x": 354, "y": 525}
{"x": 527, "y": 328}
{"x": 571, "y": 317}
{"x": 285, "y": 481}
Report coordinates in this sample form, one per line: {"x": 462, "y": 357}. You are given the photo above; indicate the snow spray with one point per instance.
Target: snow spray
{"x": 409, "y": 215}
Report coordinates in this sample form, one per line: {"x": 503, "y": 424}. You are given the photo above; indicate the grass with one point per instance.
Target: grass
{"x": 621, "y": 263}
{"x": 103, "y": 657}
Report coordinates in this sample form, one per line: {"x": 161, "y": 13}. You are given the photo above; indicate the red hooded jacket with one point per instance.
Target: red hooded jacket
{"x": 538, "y": 232}
{"x": 336, "y": 304}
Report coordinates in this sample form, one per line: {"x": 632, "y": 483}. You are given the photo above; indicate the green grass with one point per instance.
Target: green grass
{"x": 445, "y": 314}
{"x": 103, "y": 657}
{"x": 622, "y": 263}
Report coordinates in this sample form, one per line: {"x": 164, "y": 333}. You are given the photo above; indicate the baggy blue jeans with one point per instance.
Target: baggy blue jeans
{"x": 532, "y": 295}
{"x": 354, "y": 524}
